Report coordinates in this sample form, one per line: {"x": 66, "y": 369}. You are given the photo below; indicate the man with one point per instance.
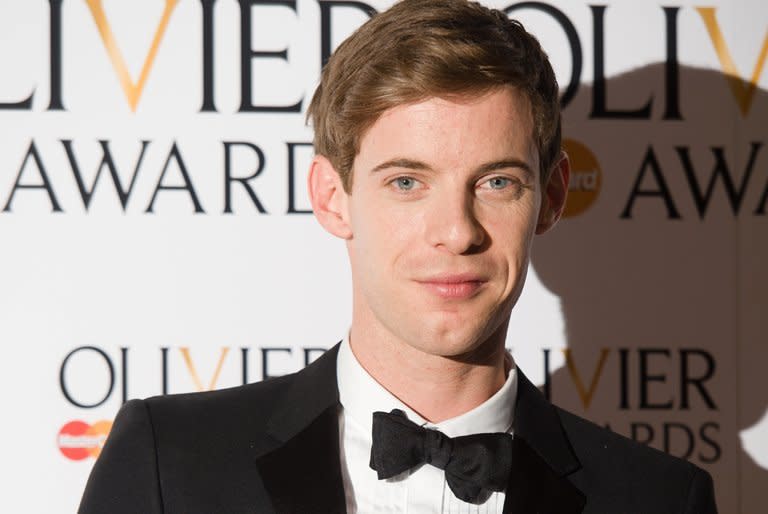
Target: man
{"x": 438, "y": 158}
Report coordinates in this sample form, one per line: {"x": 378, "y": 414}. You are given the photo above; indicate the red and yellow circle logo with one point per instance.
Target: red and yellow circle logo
{"x": 586, "y": 178}
{"x": 78, "y": 440}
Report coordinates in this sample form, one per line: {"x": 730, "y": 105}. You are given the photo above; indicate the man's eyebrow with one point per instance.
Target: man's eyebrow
{"x": 507, "y": 163}
{"x": 412, "y": 164}
{"x": 401, "y": 162}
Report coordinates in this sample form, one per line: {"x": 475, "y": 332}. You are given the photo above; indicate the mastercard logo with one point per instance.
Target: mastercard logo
{"x": 77, "y": 440}
{"x": 586, "y": 178}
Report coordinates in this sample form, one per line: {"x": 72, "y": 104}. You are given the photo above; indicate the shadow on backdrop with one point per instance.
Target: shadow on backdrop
{"x": 662, "y": 277}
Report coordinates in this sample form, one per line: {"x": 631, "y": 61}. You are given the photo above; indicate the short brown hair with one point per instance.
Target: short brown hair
{"x": 423, "y": 48}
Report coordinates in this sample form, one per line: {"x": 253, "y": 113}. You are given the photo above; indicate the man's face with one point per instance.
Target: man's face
{"x": 442, "y": 212}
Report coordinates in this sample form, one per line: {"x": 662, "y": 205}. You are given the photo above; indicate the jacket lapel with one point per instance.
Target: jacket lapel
{"x": 542, "y": 459}
{"x": 300, "y": 464}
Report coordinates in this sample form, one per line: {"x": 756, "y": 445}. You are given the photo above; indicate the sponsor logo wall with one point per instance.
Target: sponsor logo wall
{"x": 157, "y": 237}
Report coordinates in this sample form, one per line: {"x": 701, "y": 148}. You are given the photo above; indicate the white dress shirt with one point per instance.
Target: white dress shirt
{"x": 422, "y": 490}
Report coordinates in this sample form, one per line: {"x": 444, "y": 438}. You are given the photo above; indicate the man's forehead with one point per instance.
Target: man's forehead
{"x": 497, "y": 124}
{"x": 502, "y": 95}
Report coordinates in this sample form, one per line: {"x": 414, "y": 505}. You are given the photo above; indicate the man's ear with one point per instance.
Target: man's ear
{"x": 329, "y": 200}
{"x": 554, "y": 194}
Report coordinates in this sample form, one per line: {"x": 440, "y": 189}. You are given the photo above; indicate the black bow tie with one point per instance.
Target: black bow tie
{"x": 473, "y": 464}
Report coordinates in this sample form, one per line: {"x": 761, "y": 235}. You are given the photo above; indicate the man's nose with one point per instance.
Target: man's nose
{"x": 453, "y": 224}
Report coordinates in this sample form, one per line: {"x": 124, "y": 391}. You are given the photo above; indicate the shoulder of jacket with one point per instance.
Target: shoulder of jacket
{"x": 245, "y": 405}
{"x": 593, "y": 444}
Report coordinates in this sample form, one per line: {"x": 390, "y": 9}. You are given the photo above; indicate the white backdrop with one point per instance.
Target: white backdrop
{"x": 656, "y": 290}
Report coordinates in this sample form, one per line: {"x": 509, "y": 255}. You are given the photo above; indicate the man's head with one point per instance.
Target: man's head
{"x": 437, "y": 133}
{"x": 429, "y": 48}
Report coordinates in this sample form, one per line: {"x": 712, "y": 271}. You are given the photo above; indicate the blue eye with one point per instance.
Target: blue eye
{"x": 499, "y": 182}
{"x": 405, "y": 183}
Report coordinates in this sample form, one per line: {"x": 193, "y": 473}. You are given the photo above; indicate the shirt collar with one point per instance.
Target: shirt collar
{"x": 360, "y": 396}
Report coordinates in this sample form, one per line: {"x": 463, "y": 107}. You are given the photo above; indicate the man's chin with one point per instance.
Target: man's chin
{"x": 454, "y": 343}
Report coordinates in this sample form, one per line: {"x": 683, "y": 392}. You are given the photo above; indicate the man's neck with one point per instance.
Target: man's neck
{"x": 436, "y": 387}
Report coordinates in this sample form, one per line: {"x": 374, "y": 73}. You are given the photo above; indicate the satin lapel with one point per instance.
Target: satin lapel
{"x": 301, "y": 466}
{"x": 542, "y": 459}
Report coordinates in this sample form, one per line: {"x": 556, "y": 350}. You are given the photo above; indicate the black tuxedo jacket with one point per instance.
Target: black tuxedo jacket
{"x": 273, "y": 447}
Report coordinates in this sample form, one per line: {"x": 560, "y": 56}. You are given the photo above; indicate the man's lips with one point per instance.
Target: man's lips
{"x": 454, "y": 286}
